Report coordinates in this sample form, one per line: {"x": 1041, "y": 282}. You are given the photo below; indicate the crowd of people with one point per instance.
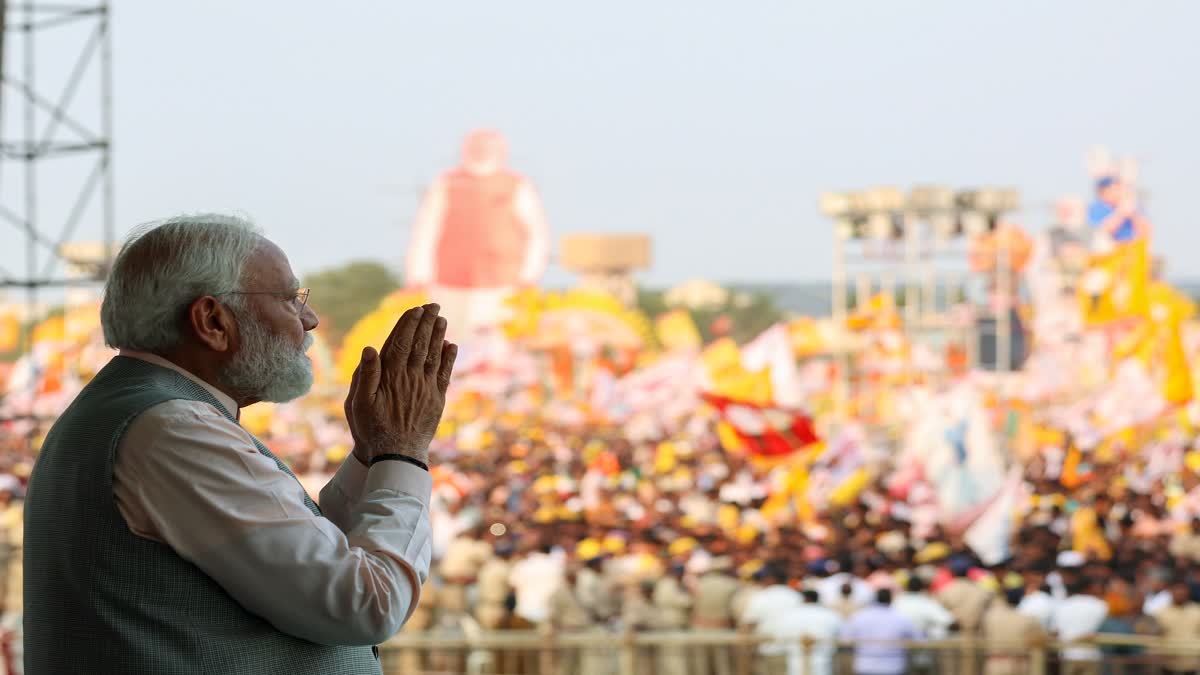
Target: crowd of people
{"x": 609, "y": 500}
{"x": 613, "y": 544}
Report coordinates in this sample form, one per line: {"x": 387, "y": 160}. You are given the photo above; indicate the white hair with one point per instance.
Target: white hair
{"x": 163, "y": 267}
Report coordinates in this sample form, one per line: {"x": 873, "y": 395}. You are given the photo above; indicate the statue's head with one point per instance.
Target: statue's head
{"x": 484, "y": 151}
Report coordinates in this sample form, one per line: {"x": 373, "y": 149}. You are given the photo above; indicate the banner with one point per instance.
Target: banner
{"x": 764, "y": 431}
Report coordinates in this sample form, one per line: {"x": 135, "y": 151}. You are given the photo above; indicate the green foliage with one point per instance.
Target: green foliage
{"x": 651, "y": 302}
{"x": 749, "y": 312}
{"x": 343, "y": 295}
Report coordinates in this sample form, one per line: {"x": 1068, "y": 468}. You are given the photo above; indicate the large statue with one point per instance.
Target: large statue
{"x": 1115, "y": 212}
{"x": 479, "y": 235}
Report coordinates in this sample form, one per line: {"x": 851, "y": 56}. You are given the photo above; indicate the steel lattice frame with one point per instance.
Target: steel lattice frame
{"x": 41, "y": 121}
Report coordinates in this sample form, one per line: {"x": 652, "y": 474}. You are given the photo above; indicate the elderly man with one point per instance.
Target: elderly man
{"x": 163, "y": 538}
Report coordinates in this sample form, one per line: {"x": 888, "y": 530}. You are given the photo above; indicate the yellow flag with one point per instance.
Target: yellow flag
{"x": 1177, "y": 385}
{"x": 722, "y": 355}
{"x": 1157, "y": 341}
{"x": 664, "y": 458}
{"x": 797, "y": 487}
{"x": 676, "y": 330}
{"x": 1115, "y": 286}
{"x": 877, "y": 312}
{"x": 723, "y": 361}
{"x": 730, "y": 440}
{"x": 849, "y": 489}
{"x": 373, "y": 329}
{"x": 743, "y": 385}
{"x": 806, "y": 336}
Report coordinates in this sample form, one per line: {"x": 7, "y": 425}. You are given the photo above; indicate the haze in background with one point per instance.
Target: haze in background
{"x": 712, "y": 126}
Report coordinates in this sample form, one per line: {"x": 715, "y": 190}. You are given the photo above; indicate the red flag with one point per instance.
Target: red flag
{"x": 765, "y": 430}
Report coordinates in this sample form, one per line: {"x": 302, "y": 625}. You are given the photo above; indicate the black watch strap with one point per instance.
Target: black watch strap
{"x": 398, "y": 458}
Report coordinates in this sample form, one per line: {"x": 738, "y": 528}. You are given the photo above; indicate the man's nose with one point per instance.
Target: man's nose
{"x": 308, "y": 318}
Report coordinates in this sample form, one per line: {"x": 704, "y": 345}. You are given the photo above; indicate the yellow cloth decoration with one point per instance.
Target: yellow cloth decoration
{"x": 730, "y": 440}
{"x": 677, "y": 330}
{"x": 1087, "y": 537}
{"x": 1114, "y": 287}
{"x": 848, "y": 491}
{"x": 664, "y": 458}
{"x": 373, "y": 329}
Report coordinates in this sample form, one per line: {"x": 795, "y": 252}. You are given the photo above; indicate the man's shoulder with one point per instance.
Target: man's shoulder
{"x": 181, "y": 411}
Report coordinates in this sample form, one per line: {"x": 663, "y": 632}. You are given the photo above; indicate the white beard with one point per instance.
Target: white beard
{"x": 267, "y": 367}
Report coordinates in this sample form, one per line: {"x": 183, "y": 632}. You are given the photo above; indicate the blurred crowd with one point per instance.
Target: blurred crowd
{"x": 552, "y": 541}
{"x": 587, "y": 483}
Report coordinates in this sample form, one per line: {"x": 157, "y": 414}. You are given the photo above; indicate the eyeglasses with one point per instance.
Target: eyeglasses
{"x": 298, "y": 297}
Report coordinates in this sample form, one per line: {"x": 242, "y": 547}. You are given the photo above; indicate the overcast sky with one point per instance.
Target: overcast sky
{"x": 712, "y": 126}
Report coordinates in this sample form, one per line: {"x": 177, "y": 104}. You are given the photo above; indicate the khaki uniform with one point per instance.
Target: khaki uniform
{"x": 416, "y": 660}
{"x": 13, "y": 525}
{"x": 638, "y": 615}
{"x": 672, "y": 602}
{"x": 568, "y": 615}
{"x": 494, "y": 590}
{"x": 1185, "y": 545}
{"x": 1181, "y": 624}
{"x": 1012, "y": 633}
{"x": 741, "y": 600}
{"x": 967, "y": 602}
{"x": 673, "y": 606}
{"x": 458, "y": 569}
{"x": 598, "y": 593}
{"x": 714, "y": 611}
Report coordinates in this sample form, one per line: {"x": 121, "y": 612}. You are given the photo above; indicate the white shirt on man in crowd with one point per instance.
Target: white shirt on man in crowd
{"x": 1156, "y": 602}
{"x": 830, "y": 589}
{"x": 1039, "y": 605}
{"x": 534, "y": 580}
{"x": 809, "y": 620}
{"x": 1078, "y": 617}
{"x": 768, "y": 601}
{"x": 927, "y": 614}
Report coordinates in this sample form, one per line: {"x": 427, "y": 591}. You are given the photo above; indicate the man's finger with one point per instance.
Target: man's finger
{"x": 399, "y": 342}
{"x": 420, "y": 341}
{"x": 449, "y": 353}
{"x": 433, "y": 360}
{"x": 353, "y": 388}
{"x": 370, "y": 372}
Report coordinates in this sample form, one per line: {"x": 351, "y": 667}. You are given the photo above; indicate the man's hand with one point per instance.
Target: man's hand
{"x": 397, "y": 396}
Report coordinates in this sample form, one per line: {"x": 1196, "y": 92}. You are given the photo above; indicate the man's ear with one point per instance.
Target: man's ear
{"x": 212, "y": 324}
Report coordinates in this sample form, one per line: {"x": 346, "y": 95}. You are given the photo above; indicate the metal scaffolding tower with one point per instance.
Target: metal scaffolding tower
{"x": 55, "y": 130}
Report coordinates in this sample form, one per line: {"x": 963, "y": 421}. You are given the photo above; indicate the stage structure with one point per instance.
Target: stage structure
{"x": 912, "y": 250}
{"x": 55, "y": 130}
{"x": 606, "y": 262}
